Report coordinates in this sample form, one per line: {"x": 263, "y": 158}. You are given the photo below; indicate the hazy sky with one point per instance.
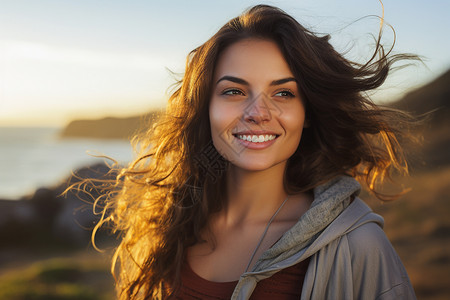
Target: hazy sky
{"x": 66, "y": 59}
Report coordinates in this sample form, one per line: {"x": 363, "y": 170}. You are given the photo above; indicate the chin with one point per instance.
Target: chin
{"x": 254, "y": 166}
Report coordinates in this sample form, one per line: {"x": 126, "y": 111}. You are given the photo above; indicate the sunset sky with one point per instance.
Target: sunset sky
{"x": 62, "y": 59}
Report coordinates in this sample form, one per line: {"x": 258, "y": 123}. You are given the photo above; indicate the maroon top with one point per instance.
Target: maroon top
{"x": 285, "y": 284}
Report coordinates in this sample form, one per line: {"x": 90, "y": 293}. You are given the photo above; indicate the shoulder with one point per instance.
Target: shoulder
{"x": 368, "y": 239}
{"x": 376, "y": 267}
{"x": 370, "y": 249}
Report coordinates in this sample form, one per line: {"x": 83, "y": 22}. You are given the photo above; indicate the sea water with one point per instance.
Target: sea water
{"x": 38, "y": 157}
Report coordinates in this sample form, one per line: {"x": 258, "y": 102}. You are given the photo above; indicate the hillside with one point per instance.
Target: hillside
{"x": 418, "y": 226}
{"x": 107, "y": 128}
{"x": 432, "y": 103}
{"x": 434, "y": 96}
{"x": 418, "y": 223}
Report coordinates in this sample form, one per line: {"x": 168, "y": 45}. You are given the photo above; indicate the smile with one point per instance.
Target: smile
{"x": 256, "y": 138}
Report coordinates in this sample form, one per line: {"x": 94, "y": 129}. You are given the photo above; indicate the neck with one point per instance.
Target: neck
{"x": 254, "y": 195}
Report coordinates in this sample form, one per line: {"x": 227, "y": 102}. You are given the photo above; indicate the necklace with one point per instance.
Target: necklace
{"x": 264, "y": 233}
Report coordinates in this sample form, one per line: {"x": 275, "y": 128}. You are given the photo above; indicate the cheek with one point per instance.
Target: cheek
{"x": 216, "y": 119}
{"x": 223, "y": 118}
{"x": 294, "y": 123}
{"x": 219, "y": 131}
{"x": 219, "y": 122}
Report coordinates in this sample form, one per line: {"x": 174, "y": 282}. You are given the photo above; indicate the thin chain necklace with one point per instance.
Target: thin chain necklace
{"x": 264, "y": 233}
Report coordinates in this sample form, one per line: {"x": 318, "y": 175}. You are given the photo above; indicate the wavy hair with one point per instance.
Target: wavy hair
{"x": 162, "y": 200}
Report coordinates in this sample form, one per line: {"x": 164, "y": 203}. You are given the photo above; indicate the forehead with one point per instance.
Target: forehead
{"x": 253, "y": 58}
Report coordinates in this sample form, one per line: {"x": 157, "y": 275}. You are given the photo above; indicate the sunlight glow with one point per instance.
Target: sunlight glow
{"x": 114, "y": 59}
{"x": 13, "y": 51}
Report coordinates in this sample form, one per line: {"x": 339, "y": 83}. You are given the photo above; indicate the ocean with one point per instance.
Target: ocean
{"x": 37, "y": 157}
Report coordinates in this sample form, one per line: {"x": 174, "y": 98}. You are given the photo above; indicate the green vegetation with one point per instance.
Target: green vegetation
{"x": 58, "y": 279}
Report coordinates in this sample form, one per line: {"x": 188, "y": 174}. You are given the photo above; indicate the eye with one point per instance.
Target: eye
{"x": 233, "y": 92}
{"x": 285, "y": 94}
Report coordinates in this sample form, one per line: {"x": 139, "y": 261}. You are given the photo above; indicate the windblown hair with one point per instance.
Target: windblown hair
{"x": 164, "y": 198}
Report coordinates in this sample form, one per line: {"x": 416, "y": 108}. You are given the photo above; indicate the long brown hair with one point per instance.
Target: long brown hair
{"x": 162, "y": 200}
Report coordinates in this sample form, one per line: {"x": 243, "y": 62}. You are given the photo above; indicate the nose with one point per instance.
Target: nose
{"x": 258, "y": 110}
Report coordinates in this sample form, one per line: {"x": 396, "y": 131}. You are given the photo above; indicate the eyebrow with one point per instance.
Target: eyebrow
{"x": 284, "y": 80}
{"x": 233, "y": 79}
{"x": 244, "y": 82}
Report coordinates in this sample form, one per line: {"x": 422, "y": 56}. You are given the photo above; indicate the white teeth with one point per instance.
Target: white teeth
{"x": 257, "y": 138}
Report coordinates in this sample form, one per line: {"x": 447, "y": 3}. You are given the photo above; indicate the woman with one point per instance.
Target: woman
{"x": 246, "y": 187}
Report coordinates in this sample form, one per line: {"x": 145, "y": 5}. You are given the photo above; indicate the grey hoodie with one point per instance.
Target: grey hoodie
{"x": 350, "y": 256}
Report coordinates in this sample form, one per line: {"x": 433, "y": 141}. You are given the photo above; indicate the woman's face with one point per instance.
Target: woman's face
{"x": 256, "y": 113}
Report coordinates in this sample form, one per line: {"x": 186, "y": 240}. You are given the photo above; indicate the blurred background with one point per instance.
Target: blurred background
{"x": 76, "y": 78}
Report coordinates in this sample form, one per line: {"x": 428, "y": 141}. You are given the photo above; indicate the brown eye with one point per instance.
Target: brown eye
{"x": 233, "y": 92}
{"x": 286, "y": 94}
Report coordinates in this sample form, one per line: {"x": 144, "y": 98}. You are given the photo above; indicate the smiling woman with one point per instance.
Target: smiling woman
{"x": 247, "y": 187}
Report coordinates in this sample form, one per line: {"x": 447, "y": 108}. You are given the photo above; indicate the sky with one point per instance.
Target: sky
{"x": 62, "y": 60}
